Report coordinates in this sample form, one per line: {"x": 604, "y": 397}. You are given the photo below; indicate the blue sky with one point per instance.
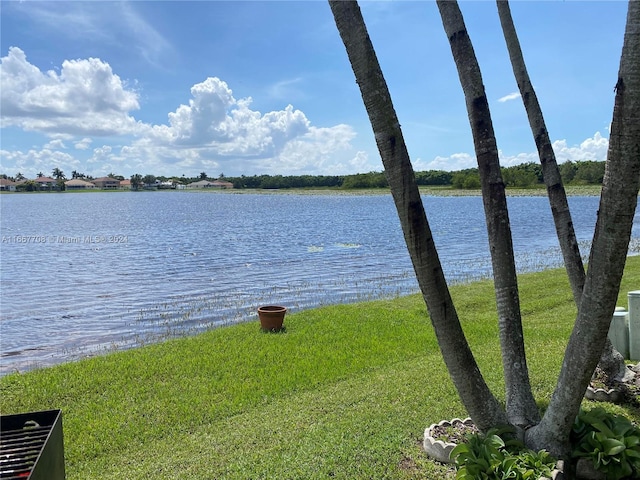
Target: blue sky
{"x": 245, "y": 88}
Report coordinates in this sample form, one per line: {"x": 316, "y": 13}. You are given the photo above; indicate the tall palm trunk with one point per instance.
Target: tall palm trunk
{"x": 612, "y": 361}
{"x": 476, "y": 396}
{"x": 551, "y": 173}
{"x": 618, "y": 203}
{"x": 521, "y": 407}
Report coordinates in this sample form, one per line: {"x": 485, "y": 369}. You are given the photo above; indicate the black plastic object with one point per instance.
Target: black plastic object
{"x": 31, "y": 446}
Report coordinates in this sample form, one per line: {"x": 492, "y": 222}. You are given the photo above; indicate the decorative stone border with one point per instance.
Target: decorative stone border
{"x": 612, "y": 395}
{"x": 437, "y": 449}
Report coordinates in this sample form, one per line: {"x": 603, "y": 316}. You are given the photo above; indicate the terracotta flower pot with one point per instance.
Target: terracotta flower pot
{"x": 271, "y": 317}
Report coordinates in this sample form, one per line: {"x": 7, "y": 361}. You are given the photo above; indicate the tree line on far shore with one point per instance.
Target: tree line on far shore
{"x": 526, "y": 175}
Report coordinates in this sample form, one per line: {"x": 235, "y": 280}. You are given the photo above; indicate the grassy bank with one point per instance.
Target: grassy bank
{"x": 346, "y": 392}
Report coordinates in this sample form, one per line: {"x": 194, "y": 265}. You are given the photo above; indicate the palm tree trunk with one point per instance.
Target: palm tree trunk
{"x": 612, "y": 361}
{"x": 550, "y": 171}
{"x": 476, "y": 396}
{"x": 609, "y": 249}
{"x": 521, "y": 407}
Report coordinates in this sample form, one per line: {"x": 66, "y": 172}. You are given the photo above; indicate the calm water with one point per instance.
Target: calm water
{"x": 85, "y": 273}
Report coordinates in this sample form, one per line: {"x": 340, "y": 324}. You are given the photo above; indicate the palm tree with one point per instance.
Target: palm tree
{"x": 203, "y": 175}
{"x": 19, "y": 177}
{"x": 608, "y": 253}
{"x": 136, "y": 181}
{"x": 551, "y": 172}
{"x": 521, "y": 407}
{"x": 58, "y": 174}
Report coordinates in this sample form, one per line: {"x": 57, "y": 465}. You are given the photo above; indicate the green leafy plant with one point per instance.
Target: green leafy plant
{"x": 528, "y": 464}
{"x": 479, "y": 456}
{"x": 611, "y": 441}
{"x": 497, "y": 455}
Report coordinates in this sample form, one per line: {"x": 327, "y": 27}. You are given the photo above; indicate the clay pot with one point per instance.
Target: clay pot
{"x": 271, "y": 317}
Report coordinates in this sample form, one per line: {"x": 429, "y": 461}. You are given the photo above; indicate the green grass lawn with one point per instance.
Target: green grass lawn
{"x": 346, "y": 392}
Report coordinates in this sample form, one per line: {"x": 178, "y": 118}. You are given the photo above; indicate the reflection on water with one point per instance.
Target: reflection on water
{"x": 85, "y": 273}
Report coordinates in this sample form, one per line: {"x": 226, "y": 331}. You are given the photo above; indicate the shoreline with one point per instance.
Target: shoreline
{"x": 447, "y": 191}
{"x": 85, "y": 353}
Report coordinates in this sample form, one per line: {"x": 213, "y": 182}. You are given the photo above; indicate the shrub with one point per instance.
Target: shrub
{"x": 490, "y": 456}
{"x": 611, "y": 441}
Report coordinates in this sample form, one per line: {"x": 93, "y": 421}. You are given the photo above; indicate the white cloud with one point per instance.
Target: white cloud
{"x": 69, "y": 20}
{"x": 83, "y": 144}
{"x": 149, "y": 42}
{"x": 86, "y": 97}
{"x": 113, "y": 23}
{"x": 315, "y": 150}
{"x": 457, "y": 161}
{"x": 215, "y": 120}
{"x": 359, "y": 162}
{"x": 593, "y": 148}
{"x": 511, "y": 96}
{"x": 33, "y": 161}
{"x": 511, "y": 160}
{"x": 203, "y": 120}
{"x": 213, "y": 130}
{"x": 56, "y": 144}
{"x": 286, "y": 89}
{"x": 162, "y": 160}
{"x": 100, "y": 154}
{"x": 215, "y": 127}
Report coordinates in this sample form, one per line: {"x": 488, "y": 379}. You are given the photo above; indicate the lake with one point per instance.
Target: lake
{"x": 83, "y": 274}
